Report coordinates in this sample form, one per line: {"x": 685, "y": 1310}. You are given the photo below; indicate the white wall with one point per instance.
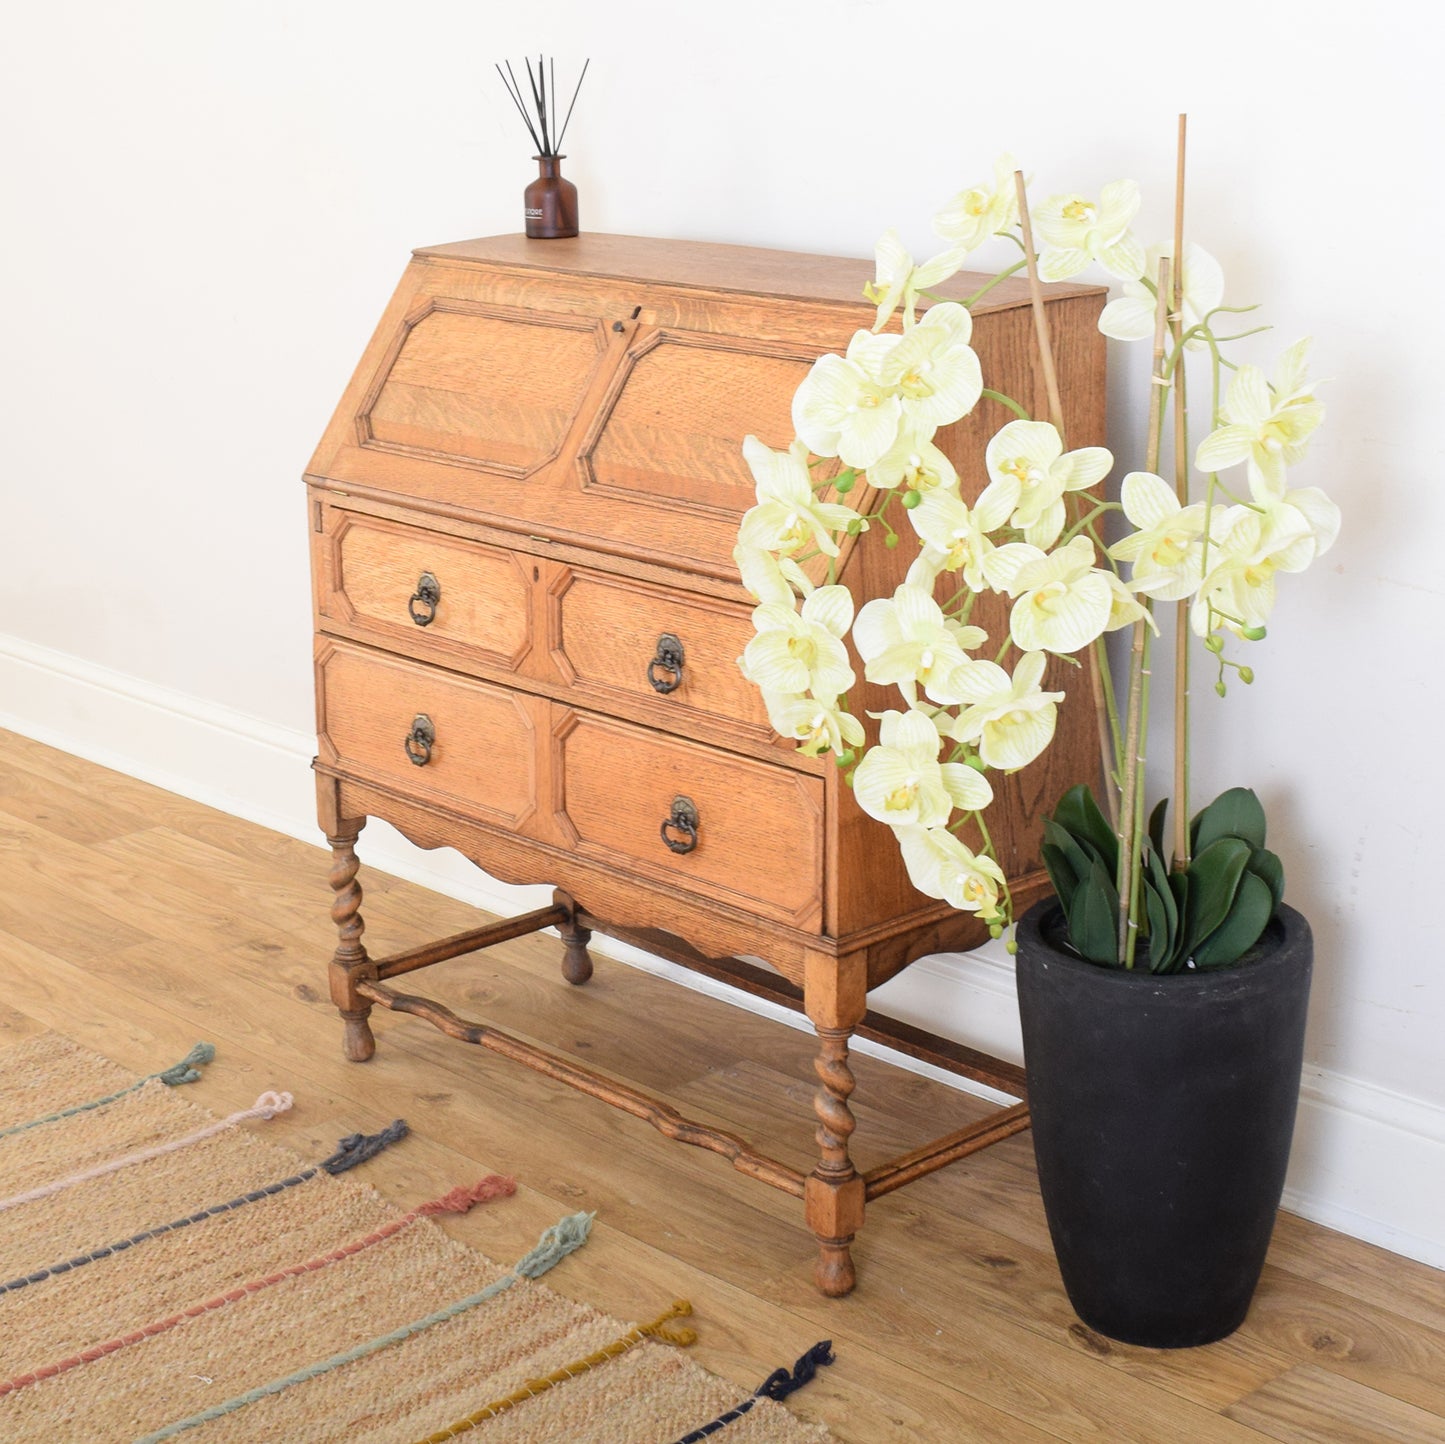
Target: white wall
{"x": 207, "y": 204}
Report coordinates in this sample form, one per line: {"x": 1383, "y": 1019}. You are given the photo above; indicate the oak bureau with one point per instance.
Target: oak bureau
{"x": 527, "y": 625}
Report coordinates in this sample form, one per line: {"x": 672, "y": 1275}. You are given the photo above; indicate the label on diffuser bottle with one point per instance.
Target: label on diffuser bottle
{"x": 533, "y": 213}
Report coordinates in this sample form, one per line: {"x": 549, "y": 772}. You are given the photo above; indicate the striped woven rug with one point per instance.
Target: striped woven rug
{"x": 165, "y": 1272}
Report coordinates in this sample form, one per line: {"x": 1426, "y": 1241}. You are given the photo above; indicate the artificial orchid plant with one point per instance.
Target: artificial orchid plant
{"x": 1034, "y": 532}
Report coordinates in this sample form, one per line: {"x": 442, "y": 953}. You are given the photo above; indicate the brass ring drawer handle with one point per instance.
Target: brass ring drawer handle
{"x": 683, "y": 819}
{"x": 423, "y": 604}
{"x": 669, "y": 658}
{"x": 421, "y": 739}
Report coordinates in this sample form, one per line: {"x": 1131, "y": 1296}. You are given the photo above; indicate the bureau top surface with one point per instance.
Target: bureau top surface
{"x": 707, "y": 265}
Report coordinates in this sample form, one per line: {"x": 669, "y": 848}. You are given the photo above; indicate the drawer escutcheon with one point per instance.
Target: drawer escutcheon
{"x": 683, "y": 819}
{"x": 669, "y": 658}
{"x": 423, "y": 603}
{"x": 421, "y": 739}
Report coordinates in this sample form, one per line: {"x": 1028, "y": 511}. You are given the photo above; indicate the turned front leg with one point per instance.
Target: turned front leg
{"x": 576, "y": 960}
{"x": 349, "y": 963}
{"x": 834, "y": 1191}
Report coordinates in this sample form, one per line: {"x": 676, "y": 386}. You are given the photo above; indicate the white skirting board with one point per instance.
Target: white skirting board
{"x": 1367, "y": 1161}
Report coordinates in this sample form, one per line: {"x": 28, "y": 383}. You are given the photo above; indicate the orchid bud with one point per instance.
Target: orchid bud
{"x": 1253, "y": 634}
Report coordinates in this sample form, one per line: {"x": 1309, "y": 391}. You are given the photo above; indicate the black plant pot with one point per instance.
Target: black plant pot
{"x": 1163, "y": 1109}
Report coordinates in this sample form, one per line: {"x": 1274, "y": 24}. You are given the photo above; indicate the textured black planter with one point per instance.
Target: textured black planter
{"x": 1163, "y": 1109}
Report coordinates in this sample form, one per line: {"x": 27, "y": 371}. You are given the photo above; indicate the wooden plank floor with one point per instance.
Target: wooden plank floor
{"x": 136, "y": 922}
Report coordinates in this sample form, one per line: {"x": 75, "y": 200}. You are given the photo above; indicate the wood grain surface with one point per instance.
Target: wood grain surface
{"x": 136, "y": 922}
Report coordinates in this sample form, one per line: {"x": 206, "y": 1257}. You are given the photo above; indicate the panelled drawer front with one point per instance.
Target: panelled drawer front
{"x": 429, "y": 593}
{"x": 375, "y": 713}
{"x": 676, "y": 653}
{"x": 758, "y": 835}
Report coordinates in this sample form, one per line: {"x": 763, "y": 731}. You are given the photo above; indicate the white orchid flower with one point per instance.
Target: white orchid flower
{"x": 901, "y": 781}
{"x": 933, "y": 370}
{"x": 817, "y": 724}
{"x": 974, "y": 215}
{"x": 802, "y": 652}
{"x": 844, "y": 408}
{"x": 896, "y": 278}
{"x": 1061, "y": 601}
{"x": 1130, "y": 317}
{"x": 1032, "y": 453}
{"x": 1266, "y": 426}
{"x": 788, "y": 517}
{"x": 1076, "y": 230}
{"x": 1322, "y": 517}
{"x": 1280, "y": 536}
{"x": 959, "y": 533}
{"x": 913, "y": 463}
{"x": 1008, "y": 719}
{"x": 1124, "y": 607}
{"x": 769, "y": 578}
{"x": 1167, "y": 551}
{"x": 940, "y": 866}
{"x": 906, "y": 641}
{"x": 926, "y": 568}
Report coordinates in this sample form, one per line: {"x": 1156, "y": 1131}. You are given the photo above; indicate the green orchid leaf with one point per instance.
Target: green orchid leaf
{"x": 1081, "y": 853}
{"x": 1248, "y": 918}
{"x": 1157, "y": 819}
{"x": 1094, "y": 919}
{"x": 1179, "y": 887}
{"x": 1163, "y": 949}
{"x": 1061, "y": 874}
{"x": 1161, "y": 940}
{"x": 1270, "y": 871}
{"x": 1236, "y": 813}
{"x": 1079, "y": 814}
{"x": 1213, "y": 881}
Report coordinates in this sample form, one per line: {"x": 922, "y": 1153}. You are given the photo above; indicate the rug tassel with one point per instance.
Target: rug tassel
{"x": 461, "y": 1199}
{"x": 657, "y": 1329}
{"x": 661, "y": 1328}
{"x": 561, "y": 1239}
{"x": 357, "y": 1148}
{"x": 188, "y": 1070}
{"x": 780, "y": 1383}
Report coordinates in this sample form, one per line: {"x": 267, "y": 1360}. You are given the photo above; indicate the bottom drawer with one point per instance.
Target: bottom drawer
{"x": 692, "y": 817}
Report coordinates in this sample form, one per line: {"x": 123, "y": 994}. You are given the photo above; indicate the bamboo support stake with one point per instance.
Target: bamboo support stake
{"x": 1181, "y": 490}
{"x": 1056, "y": 415}
{"x": 1036, "y": 294}
{"x": 1132, "y": 764}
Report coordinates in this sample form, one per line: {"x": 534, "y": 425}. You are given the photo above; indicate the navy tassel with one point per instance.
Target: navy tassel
{"x": 778, "y": 1385}
{"x": 358, "y": 1147}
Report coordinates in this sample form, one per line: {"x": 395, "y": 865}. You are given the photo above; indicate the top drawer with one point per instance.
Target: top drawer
{"x": 671, "y": 653}
{"x": 427, "y": 594}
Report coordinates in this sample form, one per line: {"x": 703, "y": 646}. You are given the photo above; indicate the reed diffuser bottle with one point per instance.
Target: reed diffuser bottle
{"x": 549, "y": 204}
